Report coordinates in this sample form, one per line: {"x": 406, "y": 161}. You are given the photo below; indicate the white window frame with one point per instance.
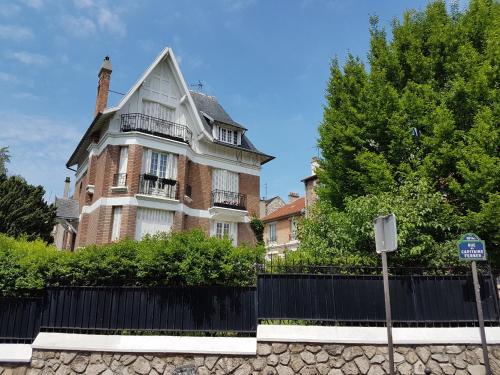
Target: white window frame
{"x": 221, "y": 228}
{"x": 229, "y": 136}
{"x": 122, "y": 166}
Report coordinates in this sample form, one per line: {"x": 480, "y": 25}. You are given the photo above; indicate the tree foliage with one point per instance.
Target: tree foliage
{"x": 187, "y": 258}
{"x": 4, "y": 159}
{"x": 426, "y": 109}
{"x": 23, "y": 210}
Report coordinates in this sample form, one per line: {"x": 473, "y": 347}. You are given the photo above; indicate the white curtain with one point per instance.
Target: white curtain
{"x": 225, "y": 180}
{"x": 151, "y": 221}
{"x": 123, "y": 160}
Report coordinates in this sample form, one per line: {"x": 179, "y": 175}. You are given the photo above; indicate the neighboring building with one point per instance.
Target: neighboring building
{"x": 164, "y": 158}
{"x": 270, "y": 205}
{"x": 310, "y": 184}
{"x": 66, "y": 227}
{"x": 280, "y": 227}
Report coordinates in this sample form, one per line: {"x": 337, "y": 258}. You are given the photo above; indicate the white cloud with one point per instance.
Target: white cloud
{"x": 15, "y": 33}
{"x": 111, "y": 22}
{"x": 83, "y": 3}
{"x": 40, "y": 147}
{"x": 28, "y": 58}
{"x": 236, "y": 5}
{"x": 78, "y": 26}
{"x": 7, "y": 77}
{"x": 37, "y": 4}
{"x": 8, "y": 10}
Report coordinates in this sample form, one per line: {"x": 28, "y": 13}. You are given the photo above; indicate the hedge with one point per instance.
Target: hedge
{"x": 187, "y": 258}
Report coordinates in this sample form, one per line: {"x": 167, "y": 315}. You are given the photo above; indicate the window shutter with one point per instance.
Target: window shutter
{"x": 117, "y": 221}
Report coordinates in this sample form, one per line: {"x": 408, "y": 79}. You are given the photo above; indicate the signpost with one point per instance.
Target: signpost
{"x": 472, "y": 248}
{"x": 386, "y": 240}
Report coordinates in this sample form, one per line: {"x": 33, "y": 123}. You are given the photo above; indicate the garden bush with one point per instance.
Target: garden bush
{"x": 187, "y": 258}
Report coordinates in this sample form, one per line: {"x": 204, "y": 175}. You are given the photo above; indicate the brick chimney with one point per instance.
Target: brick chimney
{"x": 292, "y": 197}
{"x": 66, "y": 187}
{"x": 104, "y": 75}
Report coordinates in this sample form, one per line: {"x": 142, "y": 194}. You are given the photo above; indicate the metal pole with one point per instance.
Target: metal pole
{"x": 388, "y": 317}
{"x": 480, "y": 317}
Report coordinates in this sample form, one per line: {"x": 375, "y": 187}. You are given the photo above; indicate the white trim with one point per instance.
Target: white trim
{"x": 166, "y": 52}
{"x": 15, "y": 353}
{"x": 146, "y": 344}
{"x": 176, "y": 147}
{"x": 149, "y": 201}
{"x": 375, "y": 335}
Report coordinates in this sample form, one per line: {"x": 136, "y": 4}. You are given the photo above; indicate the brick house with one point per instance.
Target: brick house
{"x": 164, "y": 158}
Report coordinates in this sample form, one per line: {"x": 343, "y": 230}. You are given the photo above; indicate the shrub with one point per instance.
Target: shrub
{"x": 187, "y": 258}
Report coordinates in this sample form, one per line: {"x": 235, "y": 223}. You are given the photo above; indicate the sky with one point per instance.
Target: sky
{"x": 266, "y": 61}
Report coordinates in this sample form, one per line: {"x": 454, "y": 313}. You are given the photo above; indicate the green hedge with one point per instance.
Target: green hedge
{"x": 188, "y": 258}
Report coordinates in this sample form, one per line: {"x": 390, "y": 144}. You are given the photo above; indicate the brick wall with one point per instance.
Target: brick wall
{"x": 250, "y": 185}
{"x": 245, "y": 234}
{"x": 200, "y": 179}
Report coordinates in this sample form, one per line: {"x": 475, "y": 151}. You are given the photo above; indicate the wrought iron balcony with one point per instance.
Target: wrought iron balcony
{"x": 229, "y": 199}
{"x": 139, "y": 122}
{"x": 120, "y": 179}
{"x": 157, "y": 186}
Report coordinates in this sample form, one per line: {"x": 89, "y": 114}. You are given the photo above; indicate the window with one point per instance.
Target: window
{"x": 162, "y": 165}
{"x": 122, "y": 167}
{"x": 272, "y": 232}
{"x": 117, "y": 221}
{"x": 152, "y": 221}
{"x": 293, "y": 228}
{"x": 222, "y": 229}
{"x": 228, "y": 136}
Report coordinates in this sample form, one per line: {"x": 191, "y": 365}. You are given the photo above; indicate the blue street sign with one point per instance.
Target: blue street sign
{"x": 471, "y": 247}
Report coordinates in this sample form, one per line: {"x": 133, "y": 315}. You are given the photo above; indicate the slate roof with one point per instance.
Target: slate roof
{"x": 294, "y": 208}
{"x": 67, "y": 208}
{"x": 209, "y": 106}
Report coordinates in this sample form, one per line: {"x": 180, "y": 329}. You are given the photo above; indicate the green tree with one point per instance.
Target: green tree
{"x": 23, "y": 210}
{"x": 428, "y": 108}
{"x": 4, "y": 159}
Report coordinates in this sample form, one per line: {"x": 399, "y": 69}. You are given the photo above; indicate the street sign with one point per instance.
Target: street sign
{"x": 386, "y": 236}
{"x": 471, "y": 247}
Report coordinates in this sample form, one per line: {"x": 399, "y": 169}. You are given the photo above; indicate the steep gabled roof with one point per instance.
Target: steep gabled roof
{"x": 291, "y": 209}
{"x": 208, "y": 106}
{"x": 67, "y": 208}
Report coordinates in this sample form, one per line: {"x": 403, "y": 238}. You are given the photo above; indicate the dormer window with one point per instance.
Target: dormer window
{"x": 229, "y": 136}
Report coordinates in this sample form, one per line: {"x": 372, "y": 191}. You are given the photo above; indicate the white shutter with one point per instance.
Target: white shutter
{"x": 157, "y": 110}
{"x": 151, "y": 221}
{"x": 122, "y": 168}
{"x": 225, "y": 180}
{"x": 117, "y": 222}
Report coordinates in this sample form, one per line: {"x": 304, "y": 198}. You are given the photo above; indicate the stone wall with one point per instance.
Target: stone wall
{"x": 276, "y": 358}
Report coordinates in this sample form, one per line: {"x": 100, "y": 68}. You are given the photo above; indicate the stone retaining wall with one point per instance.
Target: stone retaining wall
{"x": 276, "y": 358}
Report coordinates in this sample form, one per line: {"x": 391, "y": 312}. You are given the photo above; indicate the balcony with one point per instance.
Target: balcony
{"x": 137, "y": 122}
{"x": 157, "y": 186}
{"x": 228, "y": 199}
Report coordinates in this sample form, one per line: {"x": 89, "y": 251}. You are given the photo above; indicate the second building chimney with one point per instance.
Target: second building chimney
{"x": 104, "y": 75}
{"x": 66, "y": 187}
{"x": 292, "y": 197}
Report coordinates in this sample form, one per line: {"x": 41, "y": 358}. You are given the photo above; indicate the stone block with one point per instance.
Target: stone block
{"x": 308, "y": 357}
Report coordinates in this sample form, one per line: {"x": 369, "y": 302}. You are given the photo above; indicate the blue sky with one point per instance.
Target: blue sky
{"x": 266, "y": 61}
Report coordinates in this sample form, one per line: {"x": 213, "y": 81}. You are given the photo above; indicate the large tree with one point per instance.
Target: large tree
{"x": 427, "y": 107}
{"x": 23, "y": 210}
{"x": 4, "y": 159}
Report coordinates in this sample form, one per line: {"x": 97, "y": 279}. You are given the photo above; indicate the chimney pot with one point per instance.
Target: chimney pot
{"x": 292, "y": 196}
{"x": 66, "y": 187}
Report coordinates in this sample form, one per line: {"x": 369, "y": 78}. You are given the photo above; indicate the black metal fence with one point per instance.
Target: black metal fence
{"x": 306, "y": 298}
{"x": 417, "y": 300}
{"x": 169, "y": 309}
{"x": 19, "y": 319}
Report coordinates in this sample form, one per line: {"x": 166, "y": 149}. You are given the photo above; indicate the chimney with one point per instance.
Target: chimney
{"x": 314, "y": 165}
{"x": 292, "y": 197}
{"x": 104, "y": 75}
{"x": 66, "y": 187}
